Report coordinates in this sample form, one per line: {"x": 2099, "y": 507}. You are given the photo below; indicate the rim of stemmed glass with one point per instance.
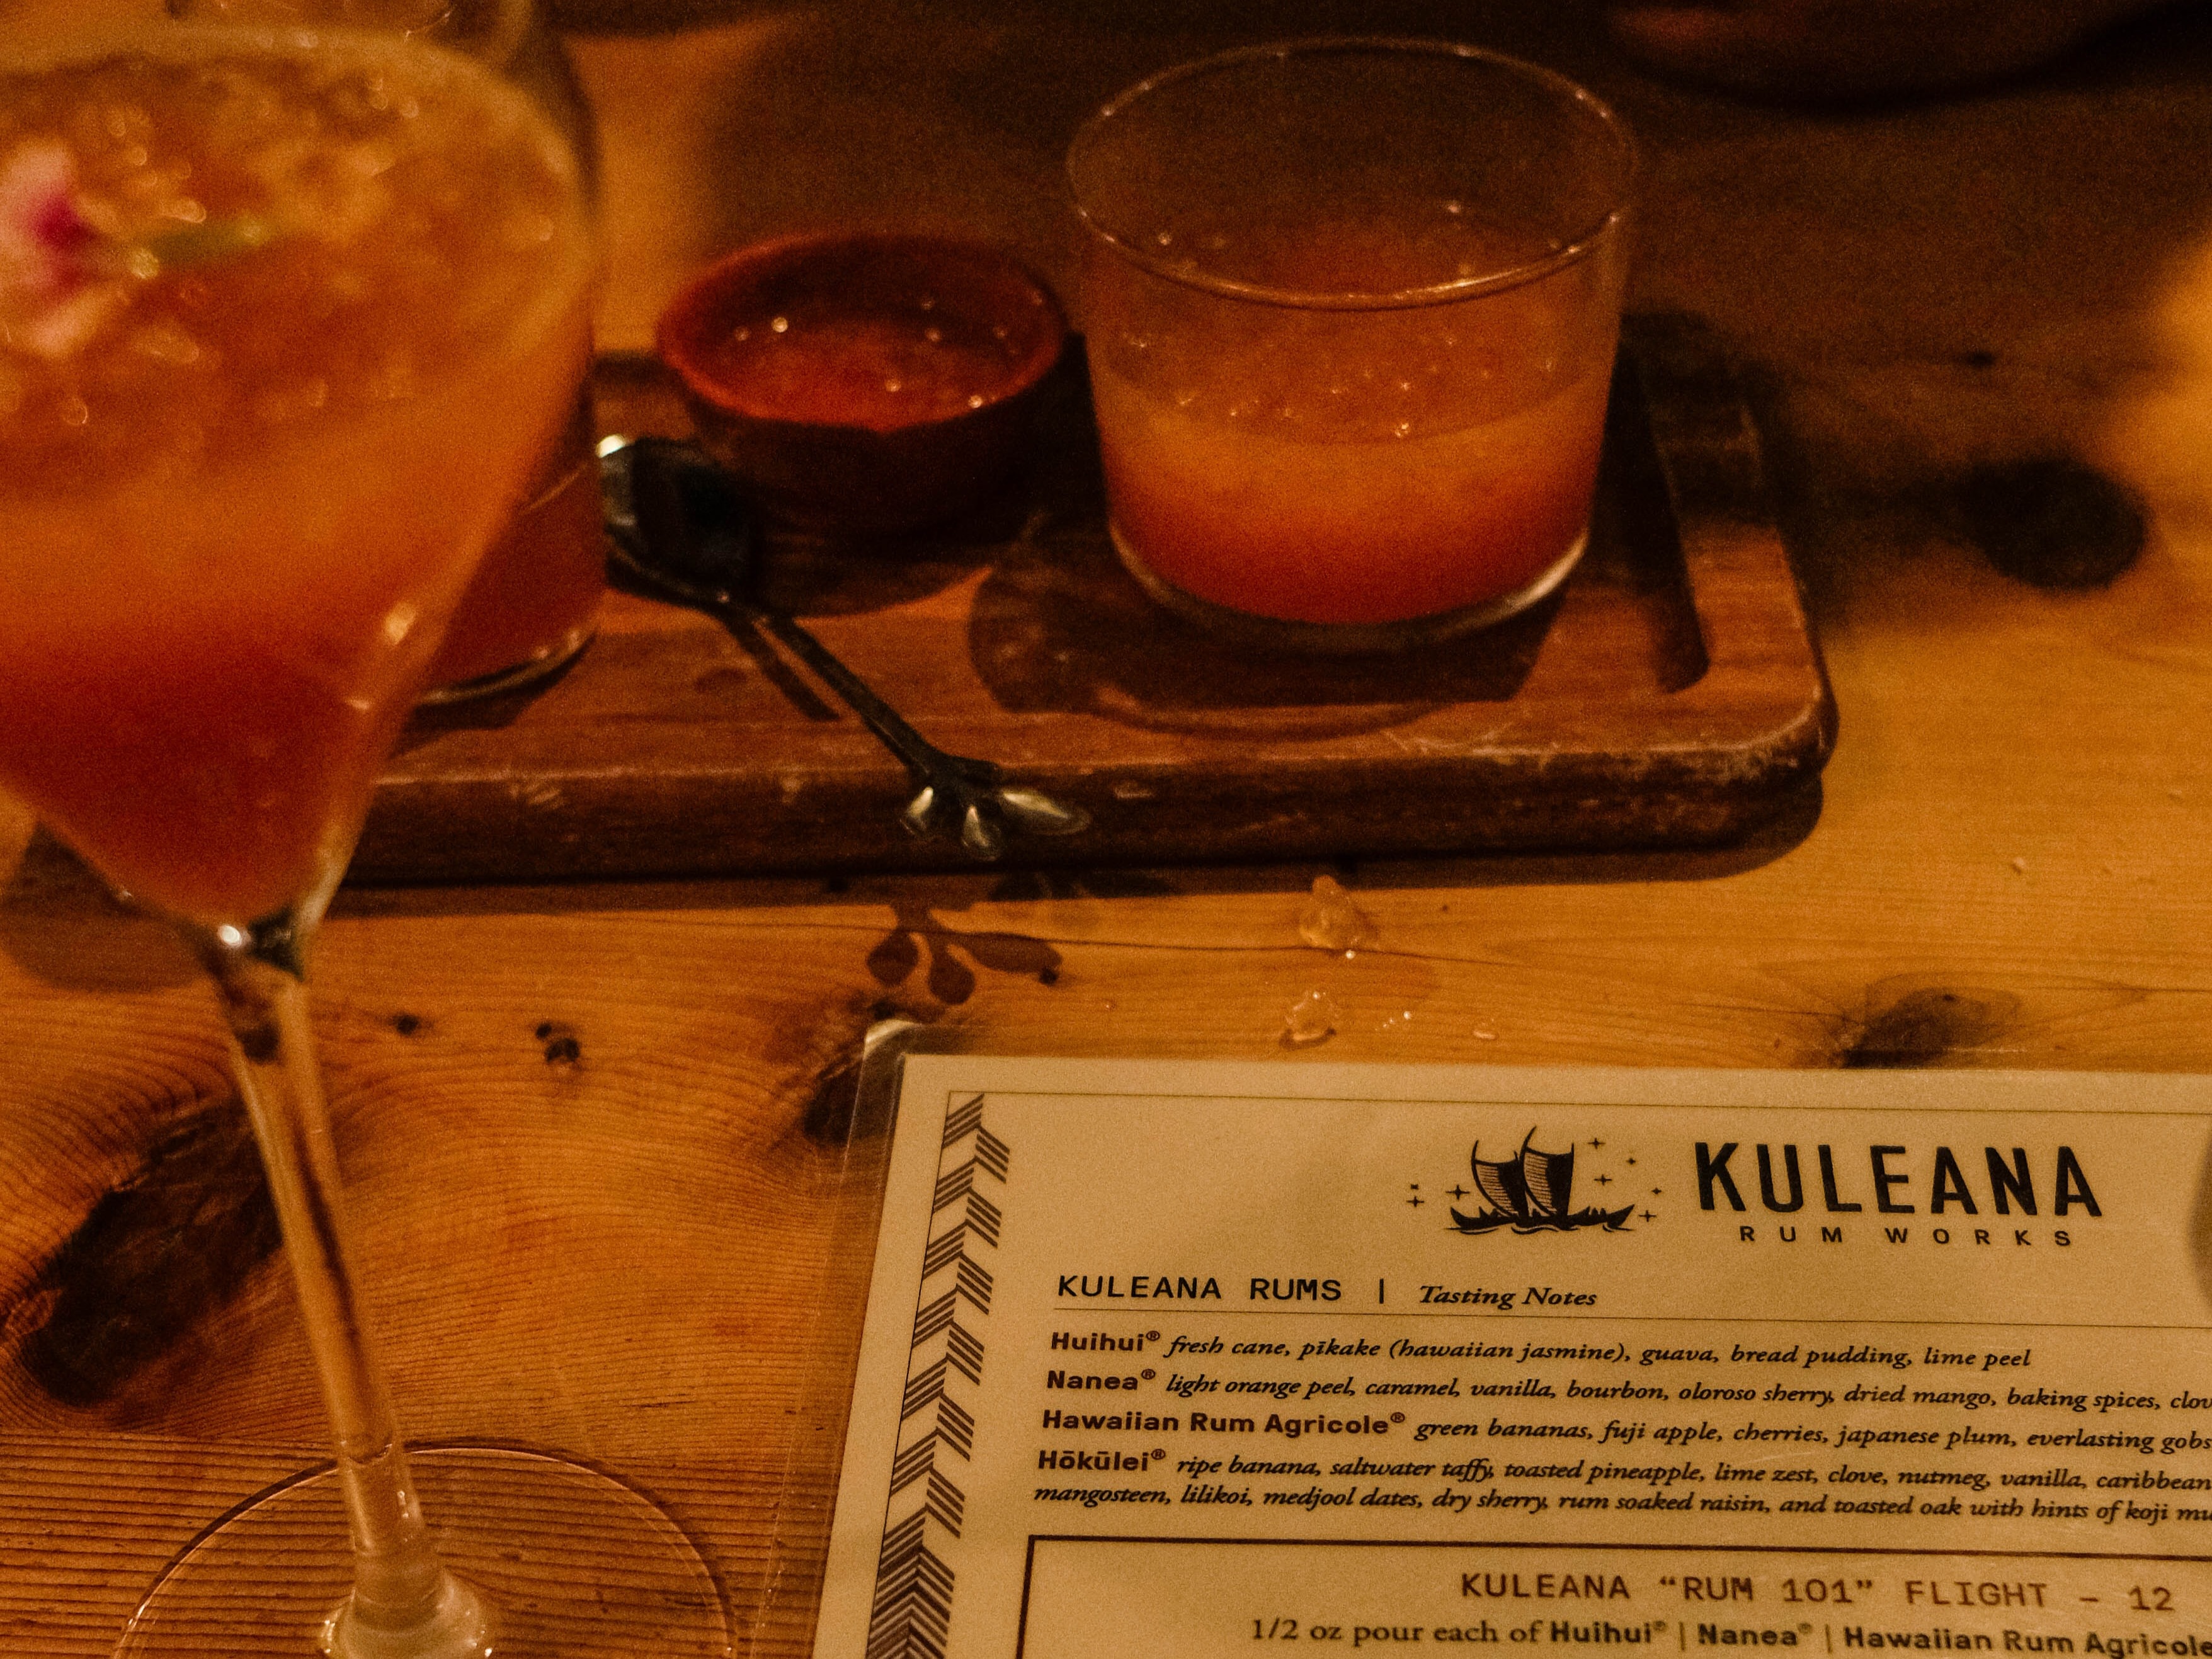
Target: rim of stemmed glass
{"x": 493, "y": 44}
{"x": 1579, "y": 246}
{"x": 175, "y": 39}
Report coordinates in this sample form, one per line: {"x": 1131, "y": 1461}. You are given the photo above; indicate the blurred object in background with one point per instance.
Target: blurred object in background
{"x": 1832, "y": 51}
{"x": 642, "y": 16}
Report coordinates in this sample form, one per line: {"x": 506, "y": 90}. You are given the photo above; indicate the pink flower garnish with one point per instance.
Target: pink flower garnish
{"x": 49, "y": 302}
{"x": 44, "y": 236}
{"x": 61, "y": 277}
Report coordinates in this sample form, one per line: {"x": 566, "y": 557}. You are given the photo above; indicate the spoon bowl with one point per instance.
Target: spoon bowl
{"x": 677, "y": 526}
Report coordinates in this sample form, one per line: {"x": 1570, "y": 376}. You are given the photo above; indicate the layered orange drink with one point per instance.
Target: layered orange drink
{"x": 1351, "y": 466}
{"x": 285, "y": 324}
{"x": 1351, "y": 306}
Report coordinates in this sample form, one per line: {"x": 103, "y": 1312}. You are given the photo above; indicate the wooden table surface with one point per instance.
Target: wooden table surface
{"x": 590, "y": 1129}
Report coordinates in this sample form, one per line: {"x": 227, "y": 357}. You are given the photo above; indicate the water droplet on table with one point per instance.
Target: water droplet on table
{"x": 1312, "y": 1018}
{"x": 1331, "y": 921}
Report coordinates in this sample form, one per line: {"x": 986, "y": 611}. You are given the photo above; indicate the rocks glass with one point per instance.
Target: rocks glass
{"x": 1351, "y": 306}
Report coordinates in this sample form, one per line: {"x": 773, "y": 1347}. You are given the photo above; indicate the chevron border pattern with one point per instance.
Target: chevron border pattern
{"x": 913, "y": 1609}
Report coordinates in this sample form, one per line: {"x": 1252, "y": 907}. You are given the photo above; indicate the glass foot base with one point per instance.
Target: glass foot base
{"x": 545, "y": 663}
{"x": 571, "y": 1563}
{"x": 1341, "y": 639}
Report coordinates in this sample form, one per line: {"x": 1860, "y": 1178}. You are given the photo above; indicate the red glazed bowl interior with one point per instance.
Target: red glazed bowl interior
{"x": 870, "y": 381}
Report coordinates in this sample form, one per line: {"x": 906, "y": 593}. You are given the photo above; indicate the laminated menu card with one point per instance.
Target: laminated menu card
{"x": 1174, "y": 1358}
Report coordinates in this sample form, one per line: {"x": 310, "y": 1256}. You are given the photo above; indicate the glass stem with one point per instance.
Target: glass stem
{"x": 400, "y": 1588}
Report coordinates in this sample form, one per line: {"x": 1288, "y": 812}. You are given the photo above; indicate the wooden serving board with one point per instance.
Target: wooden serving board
{"x": 1669, "y": 695}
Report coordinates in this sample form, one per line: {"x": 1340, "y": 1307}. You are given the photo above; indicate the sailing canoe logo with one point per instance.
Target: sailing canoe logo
{"x": 1532, "y": 1192}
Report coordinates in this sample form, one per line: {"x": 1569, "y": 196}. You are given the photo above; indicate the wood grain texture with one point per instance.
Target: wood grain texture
{"x": 2006, "y": 867}
{"x": 1670, "y": 694}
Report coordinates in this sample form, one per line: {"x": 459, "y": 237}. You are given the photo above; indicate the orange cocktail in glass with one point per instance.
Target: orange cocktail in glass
{"x": 239, "y": 508}
{"x": 1351, "y": 309}
{"x": 286, "y": 320}
{"x": 535, "y": 597}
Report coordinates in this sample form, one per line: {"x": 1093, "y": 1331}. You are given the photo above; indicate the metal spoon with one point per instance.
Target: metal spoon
{"x": 677, "y": 524}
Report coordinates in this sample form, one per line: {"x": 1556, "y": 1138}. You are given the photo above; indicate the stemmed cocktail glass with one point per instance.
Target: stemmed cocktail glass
{"x": 285, "y": 319}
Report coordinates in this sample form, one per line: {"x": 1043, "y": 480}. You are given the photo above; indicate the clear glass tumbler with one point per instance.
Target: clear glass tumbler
{"x": 1351, "y": 306}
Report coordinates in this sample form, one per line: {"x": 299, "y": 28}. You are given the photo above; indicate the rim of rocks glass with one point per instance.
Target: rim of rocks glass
{"x": 1577, "y": 247}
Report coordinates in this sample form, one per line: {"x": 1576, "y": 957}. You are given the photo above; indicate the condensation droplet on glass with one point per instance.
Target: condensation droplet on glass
{"x": 1455, "y": 208}
{"x": 1331, "y": 921}
{"x": 74, "y": 411}
{"x": 894, "y": 385}
{"x": 1398, "y": 1021}
{"x": 395, "y": 377}
{"x": 974, "y": 400}
{"x": 1404, "y": 428}
{"x": 934, "y": 336}
{"x": 740, "y": 335}
{"x": 781, "y": 324}
{"x": 1312, "y": 1018}
{"x": 1164, "y": 238}
{"x": 166, "y": 343}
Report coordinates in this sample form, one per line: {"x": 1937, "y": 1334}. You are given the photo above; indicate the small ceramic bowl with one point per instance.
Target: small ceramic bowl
{"x": 864, "y": 381}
